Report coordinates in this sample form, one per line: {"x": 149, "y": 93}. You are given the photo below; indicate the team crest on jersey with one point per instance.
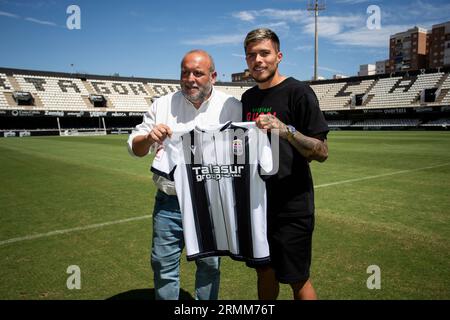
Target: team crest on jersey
{"x": 238, "y": 147}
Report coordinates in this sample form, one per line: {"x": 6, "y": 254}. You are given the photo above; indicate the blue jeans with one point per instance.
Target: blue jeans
{"x": 167, "y": 246}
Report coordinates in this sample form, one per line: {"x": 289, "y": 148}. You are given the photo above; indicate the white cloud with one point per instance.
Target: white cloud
{"x": 7, "y": 14}
{"x": 287, "y": 63}
{"x": 12, "y": 15}
{"x": 280, "y": 24}
{"x": 349, "y": 29}
{"x": 415, "y": 12}
{"x": 304, "y": 48}
{"x": 244, "y": 16}
{"x": 367, "y": 38}
{"x": 353, "y": 1}
{"x": 281, "y": 28}
{"x": 328, "y": 69}
{"x": 272, "y": 14}
{"x": 232, "y": 39}
{"x": 332, "y": 25}
{"x": 325, "y": 29}
{"x": 278, "y": 21}
{"x": 426, "y": 10}
{"x": 284, "y": 15}
{"x": 344, "y": 30}
{"x": 48, "y": 23}
{"x": 238, "y": 55}
{"x": 216, "y": 40}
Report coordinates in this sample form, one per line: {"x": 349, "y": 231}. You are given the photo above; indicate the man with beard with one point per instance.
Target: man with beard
{"x": 290, "y": 109}
{"x": 198, "y": 103}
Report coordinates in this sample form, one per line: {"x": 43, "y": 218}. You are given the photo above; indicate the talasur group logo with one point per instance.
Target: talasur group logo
{"x": 217, "y": 172}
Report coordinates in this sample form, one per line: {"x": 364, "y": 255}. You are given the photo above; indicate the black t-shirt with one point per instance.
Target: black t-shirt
{"x": 290, "y": 191}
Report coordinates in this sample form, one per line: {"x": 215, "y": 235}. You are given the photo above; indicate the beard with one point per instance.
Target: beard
{"x": 200, "y": 96}
{"x": 265, "y": 78}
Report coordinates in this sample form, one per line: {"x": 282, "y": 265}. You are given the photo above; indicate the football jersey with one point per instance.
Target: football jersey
{"x": 218, "y": 173}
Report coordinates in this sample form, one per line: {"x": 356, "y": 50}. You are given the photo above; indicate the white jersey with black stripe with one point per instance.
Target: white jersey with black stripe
{"x": 218, "y": 173}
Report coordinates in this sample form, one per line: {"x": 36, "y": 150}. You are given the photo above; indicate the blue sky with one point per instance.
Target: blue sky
{"x": 149, "y": 38}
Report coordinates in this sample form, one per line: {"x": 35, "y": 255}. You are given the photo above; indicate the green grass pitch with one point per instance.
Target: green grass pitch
{"x": 382, "y": 198}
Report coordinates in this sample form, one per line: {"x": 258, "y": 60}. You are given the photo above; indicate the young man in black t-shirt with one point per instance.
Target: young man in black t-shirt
{"x": 289, "y": 108}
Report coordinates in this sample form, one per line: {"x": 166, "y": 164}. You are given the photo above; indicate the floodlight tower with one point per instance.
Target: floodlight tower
{"x": 316, "y": 7}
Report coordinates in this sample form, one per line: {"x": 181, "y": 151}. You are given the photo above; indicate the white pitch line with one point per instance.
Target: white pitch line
{"x": 100, "y": 225}
{"x": 379, "y": 176}
{"x": 65, "y": 231}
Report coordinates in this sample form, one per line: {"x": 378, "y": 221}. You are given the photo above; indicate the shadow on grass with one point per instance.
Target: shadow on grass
{"x": 145, "y": 294}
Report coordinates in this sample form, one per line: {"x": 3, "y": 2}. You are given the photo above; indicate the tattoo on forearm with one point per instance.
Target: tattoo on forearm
{"x": 310, "y": 148}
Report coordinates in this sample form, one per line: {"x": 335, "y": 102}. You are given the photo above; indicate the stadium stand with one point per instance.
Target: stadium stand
{"x": 443, "y": 91}
{"x": 53, "y": 93}
{"x": 387, "y": 123}
{"x": 442, "y": 123}
{"x": 339, "y": 95}
{"x": 40, "y": 102}
{"x": 235, "y": 91}
{"x": 339, "y": 123}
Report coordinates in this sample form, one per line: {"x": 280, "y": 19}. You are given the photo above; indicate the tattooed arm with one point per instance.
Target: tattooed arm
{"x": 309, "y": 147}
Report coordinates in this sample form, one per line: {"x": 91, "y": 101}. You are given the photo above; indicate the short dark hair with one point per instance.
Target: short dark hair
{"x": 262, "y": 34}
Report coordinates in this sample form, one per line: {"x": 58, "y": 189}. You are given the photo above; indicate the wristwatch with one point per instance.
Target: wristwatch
{"x": 290, "y": 131}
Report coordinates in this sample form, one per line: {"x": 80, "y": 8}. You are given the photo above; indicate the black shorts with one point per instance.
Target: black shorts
{"x": 290, "y": 242}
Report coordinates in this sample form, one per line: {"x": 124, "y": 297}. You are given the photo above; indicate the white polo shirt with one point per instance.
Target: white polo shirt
{"x": 180, "y": 114}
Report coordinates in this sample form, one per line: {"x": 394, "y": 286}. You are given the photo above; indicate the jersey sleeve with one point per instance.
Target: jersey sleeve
{"x": 267, "y": 158}
{"x": 166, "y": 159}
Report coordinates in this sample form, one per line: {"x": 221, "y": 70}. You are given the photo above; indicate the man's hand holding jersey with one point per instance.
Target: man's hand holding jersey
{"x": 270, "y": 122}
{"x": 142, "y": 143}
{"x": 159, "y": 133}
